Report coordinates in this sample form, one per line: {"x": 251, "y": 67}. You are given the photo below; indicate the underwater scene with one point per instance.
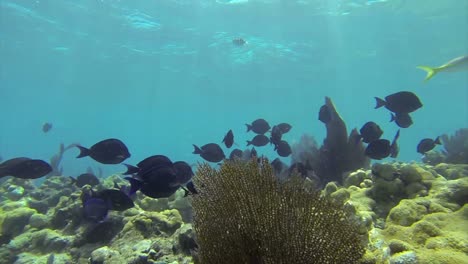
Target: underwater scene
{"x": 234, "y": 131}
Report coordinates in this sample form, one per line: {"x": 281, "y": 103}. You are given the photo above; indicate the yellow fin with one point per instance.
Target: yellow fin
{"x": 430, "y": 71}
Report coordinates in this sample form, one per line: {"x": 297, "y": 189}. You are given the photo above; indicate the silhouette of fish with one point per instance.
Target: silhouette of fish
{"x": 228, "y": 140}
{"x": 259, "y": 126}
{"x": 210, "y": 152}
{"x": 109, "y": 151}
{"x": 427, "y": 144}
{"x": 24, "y": 168}
{"x": 401, "y": 102}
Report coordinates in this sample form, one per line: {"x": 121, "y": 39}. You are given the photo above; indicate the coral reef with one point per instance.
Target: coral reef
{"x": 338, "y": 154}
{"x": 45, "y": 224}
{"x": 413, "y": 213}
{"x": 242, "y": 214}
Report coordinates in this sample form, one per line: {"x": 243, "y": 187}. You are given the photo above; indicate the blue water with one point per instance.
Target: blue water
{"x": 163, "y": 75}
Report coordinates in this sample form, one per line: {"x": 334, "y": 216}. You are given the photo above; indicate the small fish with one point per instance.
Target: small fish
{"x": 228, "y": 140}
{"x": 283, "y": 149}
{"x": 378, "y": 149}
{"x": 25, "y": 168}
{"x": 454, "y": 65}
{"x": 401, "y": 102}
{"x": 235, "y": 154}
{"x": 427, "y": 144}
{"x": 402, "y": 120}
{"x": 239, "y": 42}
{"x": 95, "y": 209}
{"x": 109, "y": 151}
{"x": 190, "y": 189}
{"x": 85, "y": 178}
{"x": 258, "y": 141}
{"x": 46, "y": 127}
{"x": 370, "y": 131}
{"x": 324, "y": 114}
{"x": 259, "y": 126}
{"x": 284, "y": 127}
{"x": 394, "y": 149}
{"x": 210, "y": 152}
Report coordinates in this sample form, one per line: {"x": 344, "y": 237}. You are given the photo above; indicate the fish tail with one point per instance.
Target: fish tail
{"x": 379, "y": 102}
{"x": 430, "y": 72}
{"x": 249, "y": 143}
{"x": 437, "y": 141}
{"x": 249, "y": 127}
{"x": 392, "y": 117}
{"x": 83, "y": 152}
{"x": 197, "y": 150}
{"x": 130, "y": 169}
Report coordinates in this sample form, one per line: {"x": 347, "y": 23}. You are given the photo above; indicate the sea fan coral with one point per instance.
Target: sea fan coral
{"x": 242, "y": 214}
{"x": 456, "y": 147}
{"x": 339, "y": 153}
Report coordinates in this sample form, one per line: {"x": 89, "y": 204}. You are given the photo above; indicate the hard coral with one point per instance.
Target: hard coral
{"x": 242, "y": 214}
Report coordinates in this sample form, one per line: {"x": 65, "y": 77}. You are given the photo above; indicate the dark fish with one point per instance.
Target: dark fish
{"x": 324, "y": 114}
{"x": 190, "y": 189}
{"x": 401, "y": 102}
{"x": 276, "y": 135}
{"x": 284, "y": 127}
{"x": 183, "y": 172}
{"x": 394, "y": 149}
{"x": 259, "y": 126}
{"x": 158, "y": 177}
{"x": 148, "y": 164}
{"x": 116, "y": 199}
{"x": 85, "y": 178}
{"x": 283, "y": 149}
{"x": 427, "y": 144}
{"x": 239, "y": 41}
{"x": 153, "y": 189}
{"x": 109, "y": 151}
{"x": 46, "y": 127}
{"x": 25, "y": 168}
{"x": 378, "y": 149}
{"x": 95, "y": 209}
{"x": 258, "y": 141}
{"x": 210, "y": 152}
{"x": 402, "y": 120}
{"x": 370, "y": 131}
{"x": 228, "y": 140}
{"x": 236, "y": 154}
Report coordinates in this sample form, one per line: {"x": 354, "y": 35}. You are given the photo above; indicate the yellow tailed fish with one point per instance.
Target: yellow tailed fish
{"x": 455, "y": 65}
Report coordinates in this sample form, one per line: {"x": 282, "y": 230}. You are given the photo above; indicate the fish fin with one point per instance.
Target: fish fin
{"x": 130, "y": 169}
{"x": 196, "y": 150}
{"x": 249, "y": 127}
{"x": 379, "y": 102}
{"x": 430, "y": 72}
{"x": 437, "y": 141}
{"x": 392, "y": 117}
{"x": 83, "y": 152}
